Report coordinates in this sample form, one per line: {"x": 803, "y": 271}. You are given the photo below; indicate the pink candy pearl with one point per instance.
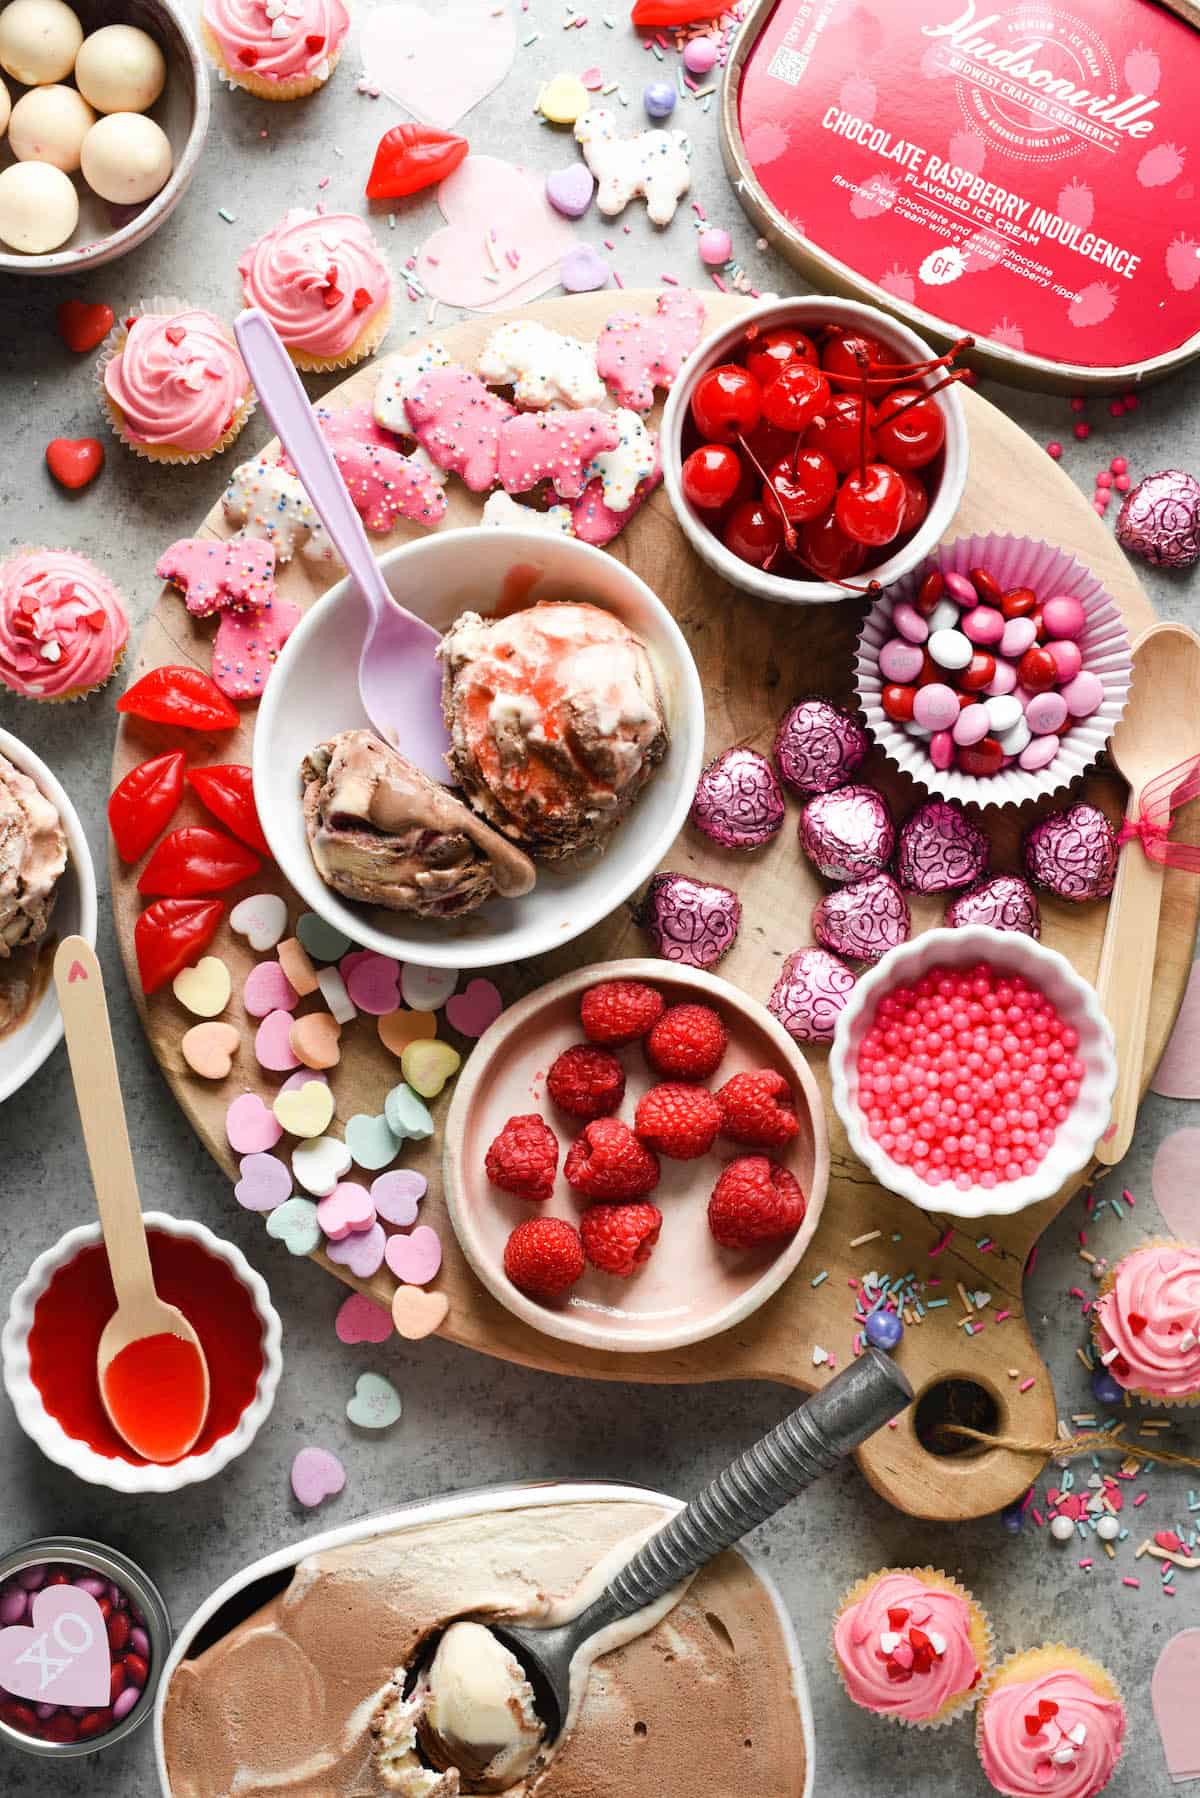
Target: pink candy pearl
{"x": 1084, "y": 695}
{"x": 935, "y": 706}
{"x": 909, "y": 622}
{"x": 1046, "y": 712}
{"x": 1019, "y": 634}
{"x": 900, "y": 661}
{"x": 1038, "y": 754}
{"x": 1068, "y": 659}
{"x": 1064, "y": 616}
{"x": 984, "y": 625}
{"x": 941, "y": 750}
{"x": 971, "y": 725}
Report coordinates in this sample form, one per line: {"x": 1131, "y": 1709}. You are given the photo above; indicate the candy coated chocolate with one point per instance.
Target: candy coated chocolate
{"x": 818, "y": 746}
{"x": 688, "y": 920}
{"x": 1073, "y": 853}
{"x": 1160, "y": 519}
{"x": 739, "y": 802}
{"x": 864, "y": 920}
{"x": 1005, "y": 902}
{"x": 810, "y": 994}
{"x": 847, "y": 834}
{"x": 940, "y": 849}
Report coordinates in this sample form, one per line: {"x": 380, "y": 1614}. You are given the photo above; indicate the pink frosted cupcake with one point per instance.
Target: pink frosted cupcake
{"x": 63, "y": 627}
{"x": 277, "y": 49}
{"x": 912, "y": 1644}
{"x": 323, "y": 282}
{"x": 1050, "y": 1725}
{"x": 1146, "y": 1323}
{"x": 173, "y": 383}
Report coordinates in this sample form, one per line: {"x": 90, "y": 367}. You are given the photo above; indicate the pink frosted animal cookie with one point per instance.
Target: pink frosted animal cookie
{"x": 654, "y": 164}
{"x": 457, "y": 423}
{"x": 384, "y": 483}
{"x": 636, "y": 353}
{"x": 219, "y": 577}
{"x": 247, "y": 646}
{"x": 618, "y": 481}
{"x": 558, "y": 446}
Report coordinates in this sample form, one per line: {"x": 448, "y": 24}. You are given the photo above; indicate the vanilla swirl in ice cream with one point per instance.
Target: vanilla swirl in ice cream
{"x": 319, "y": 277}
{"x": 33, "y": 855}
{"x": 1074, "y": 1748}
{"x": 905, "y": 1647}
{"x": 1151, "y": 1317}
{"x": 177, "y": 380}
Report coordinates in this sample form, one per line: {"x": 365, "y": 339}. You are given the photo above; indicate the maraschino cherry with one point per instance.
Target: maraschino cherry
{"x": 727, "y": 403}
{"x": 754, "y": 532}
{"x": 838, "y": 432}
{"x": 770, "y": 352}
{"x": 795, "y": 397}
{"x": 870, "y": 504}
{"x": 909, "y": 428}
{"x": 805, "y": 484}
{"x": 711, "y": 476}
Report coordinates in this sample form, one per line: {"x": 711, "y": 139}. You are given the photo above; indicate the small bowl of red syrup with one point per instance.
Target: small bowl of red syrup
{"x": 787, "y": 435}
{"x": 54, "y": 1326}
{"x": 104, "y": 1636}
{"x": 974, "y": 1071}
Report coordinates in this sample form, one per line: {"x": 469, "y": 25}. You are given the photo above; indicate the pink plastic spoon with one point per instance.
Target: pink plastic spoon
{"x": 399, "y": 680}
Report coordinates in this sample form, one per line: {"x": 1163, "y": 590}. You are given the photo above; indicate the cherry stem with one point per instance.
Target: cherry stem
{"x": 927, "y": 393}
{"x": 891, "y": 374}
{"x": 864, "y": 363}
{"x": 789, "y": 529}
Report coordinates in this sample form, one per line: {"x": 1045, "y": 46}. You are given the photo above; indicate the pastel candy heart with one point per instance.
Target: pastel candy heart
{"x": 265, "y": 1183}
{"x": 333, "y": 991}
{"x": 417, "y": 1313}
{"x": 397, "y": 1194}
{"x": 359, "y": 1319}
{"x": 375, "y": 1404}
{"x": 247, "y": 645}
{"x": 408, "y": 1116}
{"x": 472, "y": 1011}
{"x": 204, "y": 989}
{"x": 209, "y": 1049}
{"x": 371, "y": 1140}
{"x": 61, "y": 1656}
{"x": 320, "y": 1164}
{"x": 427, "y": 989}
{"x": 322, "y": 940}
{"x": 428, "y": 1066}
{"x": 570, "y": 190}
{"x": 347, "y": 1208}
{"x": 294, "y": 1224}
{"x": 563, "y": 99}
{"x": 486, "y": 194}
{"x": 272, "y": 1043}
{"x": 316, "y": 1475}
{"x": 305, "y": 1111}
{"x": 250, "y": 1127}
{"x": 583, "y": 270}
{"x": 361, "y": 1251}
{"x": 314, "y": 1040}
{"x": 301, "y": 1078}
{"x": 294, "y": 959}
{"x": 261, "y": 919}
{"x": 416, "y": 1258}
{"x": 372, "y": 981}
{"x": 268, "y": 989}
{"x": 400, "y": 1028}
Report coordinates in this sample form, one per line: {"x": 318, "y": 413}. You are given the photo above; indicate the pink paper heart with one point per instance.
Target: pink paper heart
{"x": 250, "y": 1126}
{"x": 397, "y": 1194}
{"x": 361, "y": 1251}
{"x": 316, "y": 1475}
{"x": 62, "y": 1657}
{"x": 265, "y": 1183}
{"x": 1173, "y": 1690}
{"x": 415, "y": 1259}
{"x": 272, "y": 1043}
{"x": 247, "y": 644}
{"x": 268, "y": 989}
{"x": 372, "y": 981}
{"x": 438, "y": 64}
{"x": 348, "y": 1208}
{"x": 1174, "y": 1185}
{"x": 359, "y": 1319}
{"x": 1178, "y": 1073}
{"x": 475, "y": 1008}
{"x": 486, "y": 195}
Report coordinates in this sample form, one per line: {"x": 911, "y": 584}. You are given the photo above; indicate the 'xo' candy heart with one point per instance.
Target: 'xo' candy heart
{"x": 74, "y": 461}
{"x": 306, "y": 1110}
{"x": 319, "y": 1165}
{"x": 64, "y": 1657}
{"x": 375, "y": 1404}
{"x": 359, "y": 1319}
{"x": 316, "y": 1475}
{"x": 417, "y": 1313}
{"x": 204, "y": 989}
{"x": 294, "y": 1224}
{"x": 428, "y": 1066}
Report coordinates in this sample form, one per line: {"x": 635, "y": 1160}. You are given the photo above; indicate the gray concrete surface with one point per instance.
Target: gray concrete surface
{"x": 467, "y": 1419}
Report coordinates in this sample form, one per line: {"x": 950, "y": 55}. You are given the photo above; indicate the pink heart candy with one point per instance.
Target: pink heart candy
{"x": 359, "y": 1319}
{"x": 396, "y": 1195}
{"x": 272, "y": 1043}
{"x": 268, "y": 989}
{"x": 247, "y": 645}
{"x": 361, "y": 1251}
{"x": 483, "y": 195}
{"x": 475, "y": 1008}
{"x": 415, "y": 1259}
{"x": 265, "y": 1183}
{"x": 316, "y": 1475}
{"x": 61, "y": 1657}
{"x": 250, "y": 1127}
{"x": 348, "y": 1208}
{"x": 372, "y": 981}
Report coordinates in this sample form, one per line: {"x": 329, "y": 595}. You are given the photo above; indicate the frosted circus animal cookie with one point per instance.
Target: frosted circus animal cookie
{"x": 654, "y": 164}
{"x": 558, "y": 446}
{"x": 543, "y": 367}
{"x": 457, "y": 423}
{"x": 632, "y": 460}
{"x": 398, "y": 375}
{"x": 265, "y": 499}
{"x": 635, "y": 353}
{"x": 220, "y": 577}
{"x": 383, "y": 482}
{"x": 501, "y": 512}
{"x": 247, "y": 646}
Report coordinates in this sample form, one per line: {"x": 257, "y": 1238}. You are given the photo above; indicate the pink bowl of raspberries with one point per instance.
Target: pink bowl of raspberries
{"x": 636, "y": 1157}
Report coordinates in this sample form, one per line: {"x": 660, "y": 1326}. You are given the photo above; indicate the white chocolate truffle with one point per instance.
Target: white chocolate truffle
{"x": 39, "y": 41}
{"x": 126, "y": 157}
{"x": 5, "y": 108}
{"x": 120, "y": 69}
{"x": 49, "y": 124}
{"x": 39, "y": 207}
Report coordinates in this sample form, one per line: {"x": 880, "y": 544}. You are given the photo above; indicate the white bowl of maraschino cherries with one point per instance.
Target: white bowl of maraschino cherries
{"x": 815, "y": 448}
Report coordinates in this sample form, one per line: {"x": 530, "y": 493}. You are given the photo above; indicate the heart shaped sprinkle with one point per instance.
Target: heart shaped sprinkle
{"x": 372, "y": 981}
{"x": 428, "y": 1065}
{"x": 322, "y": 940}
{"x": 249, "y": 1127}
{"x": 359, "y": 1319}
{"x": 396, "y": 1196}
{"x": 209, "y": 1049}
{"x": 273, "y": 1045}
{"x": 266, "y": 989}
{"x": 426, "y": 989}
{"x": 261, "y": 919}
{"x": 472, "y": 1011}
{"x": 416, "y": 1258}
{"x": 347, "y": 1208}
{"x": 314, "y": 1040}
{"x": 408, "y": 1116}
{"x": 320, "y": 1164}
{"x": 417, "y": 1313}
{"x": 375, "y": 1404}
{"x": 305, "y": 1111}
{"x": 400, "y": 1028}
{"x": 294, "y": 1224}
{"x": 265, "y": 1183}
{"x": 361, "y": 1251}
{"x": 583, "y": 270}
{"x": 316, "y": 1476}
{"x": 204, "y": 990}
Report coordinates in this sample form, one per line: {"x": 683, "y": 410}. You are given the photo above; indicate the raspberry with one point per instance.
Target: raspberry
{"x": 608, "y": 1162}
{"x": 678, "y": 1120}
{"x": 618, "y": 1239}
{"x": 759, "y": 1109}
{"x": 619, "y": 1011}
{"x": 543, "y": 1257}
{"x": 754, "y": 1201}
{"x": 688, "y": 1041}
{"x": 586, "y": 1082}
{"x": 523, "y": 1158}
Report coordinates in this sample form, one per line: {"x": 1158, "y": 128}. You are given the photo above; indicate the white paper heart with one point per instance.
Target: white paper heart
{"x": 438, "y": 63}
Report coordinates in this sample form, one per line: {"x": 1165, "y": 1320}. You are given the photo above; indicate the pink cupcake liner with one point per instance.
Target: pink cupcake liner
{"x": 1014, "y": 562}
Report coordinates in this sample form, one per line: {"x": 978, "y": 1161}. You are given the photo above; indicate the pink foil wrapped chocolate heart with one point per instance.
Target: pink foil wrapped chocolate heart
{"x": 847, "y": 834}
{"x": 1073, "y": 854}
{"x": 864, "y": 920}
{"x": 739, "y": 802}
{"x": 818, "y": 746}
{"x": 1005, "y": 902}
{"x": 688, "y": 920}
{"x": 939, "y": 849}
{"x": 810, "y": 994}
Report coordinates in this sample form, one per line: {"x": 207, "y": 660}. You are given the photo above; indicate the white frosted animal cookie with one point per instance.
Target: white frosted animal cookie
{"x": 398, "y": 375}
{"x": 501, "y": 511}
{"x": 654, "y": 164}
{"x": 633, "y": 460}
{"x": 267, "y": 500}
{"x": 543, "y": 367}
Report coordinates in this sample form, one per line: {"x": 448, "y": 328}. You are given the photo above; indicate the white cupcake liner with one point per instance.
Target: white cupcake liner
{"x": 1014, "y": 562}
{"x": 965, "y": 1701}
{"x": 114, "y": 343}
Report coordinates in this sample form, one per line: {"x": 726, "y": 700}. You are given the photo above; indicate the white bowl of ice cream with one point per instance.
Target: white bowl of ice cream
{"x": 313, "y": 698}
{"x": 30, "y": 854}
{"x": 719, "y": 1683}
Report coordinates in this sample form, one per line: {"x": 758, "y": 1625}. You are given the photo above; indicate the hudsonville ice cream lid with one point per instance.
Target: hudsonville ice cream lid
{"x": 1027, "y": 174}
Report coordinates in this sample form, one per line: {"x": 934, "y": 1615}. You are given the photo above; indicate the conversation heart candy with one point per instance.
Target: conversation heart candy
{"x": 306, "y": 1110}
{"x": 428, "y": 1066}
{"x": 204, "y": 989}
{"x": 375, "y": 1403}
{"x": 62, "y": 1655}
{"x": 361, "y": 1251}
{"x": 396, "y": 1195}
{"x": 209, "y": 1049}
{"x": 371, "y": 1140}
{"x": 333, "y": 991}
{"x": 570, "y": 190}
{"x": 563, "y": 99}
{"x": 266, "y": 989}
{"x": 347, "y": 1208}
{"x": 265, "y": 1183}
{"x": 250, "y": 1127}
{"x": 400, "y": 1028}
{"x": 359, "y": 1319}
{"x": 470, "y": 1012}
{"x": 316, "y": 1476}
{"x": 323, "y": 941}
{"x": 294, "y": 1224}
{"x": 272, "y": 1043}
{"x": 408, "y": 1116}
{"x": 293, "y": 958}
{"x": 417, "y": 1313}
{"x": 261, "y": 919}
{"x": 319, "y": 1165}
{"x": 314, "y": 1040}
{"x": 583, "y": 270}
{"x": 372, "y": 981}
{"x": 415, "y": 1258}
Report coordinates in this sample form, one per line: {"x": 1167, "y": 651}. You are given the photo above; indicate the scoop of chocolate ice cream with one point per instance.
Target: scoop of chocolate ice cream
{"x": 33, "y": 855}
{"x": 381, "y": 832}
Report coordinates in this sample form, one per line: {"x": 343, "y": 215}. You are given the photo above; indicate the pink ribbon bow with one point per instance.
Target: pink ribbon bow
{"x": 1157, "y": 804}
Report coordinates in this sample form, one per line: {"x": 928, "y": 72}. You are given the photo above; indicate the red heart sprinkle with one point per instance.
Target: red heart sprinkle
{"x": 1033, "y": 1726}
{"x": 1137, "y": 1323}
{"x": 897, "y": 1617}
{"x": 248, "y": 56}
{"x": 82, "y": 326}
{"x": 314, "y": 42}
{"x": 1169, "y": 1540}
{"x": 897, "y": 1673}
{"x": 331, "y": 296}
{"x": 1047, "y": 1709}
{"x": 74, "y": 461}
{"x": 96, "y": 620}
{"x": 175, "y": 334}
{"x": 362, "y": 299}
{"x": 918, "y": 1638}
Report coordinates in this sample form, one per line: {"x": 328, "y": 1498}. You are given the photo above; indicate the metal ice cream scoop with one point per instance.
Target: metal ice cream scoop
{"x": 813, "y": 1439}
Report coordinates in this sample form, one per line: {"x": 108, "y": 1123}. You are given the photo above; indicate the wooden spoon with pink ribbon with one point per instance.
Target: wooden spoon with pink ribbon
{"x": 1158, "y": 734}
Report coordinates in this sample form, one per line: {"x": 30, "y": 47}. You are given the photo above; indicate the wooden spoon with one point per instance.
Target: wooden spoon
{"x": 157, "y": 1399}
{"x": 1160, "y": 727}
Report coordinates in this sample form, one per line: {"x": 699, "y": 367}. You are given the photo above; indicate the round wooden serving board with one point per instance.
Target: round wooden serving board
{"x": 754, "y": 660}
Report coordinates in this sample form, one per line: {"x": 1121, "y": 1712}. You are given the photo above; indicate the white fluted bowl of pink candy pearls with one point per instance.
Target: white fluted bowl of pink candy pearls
{"x": 995, "y": 673}
{"x": 1022, "y": 1083}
